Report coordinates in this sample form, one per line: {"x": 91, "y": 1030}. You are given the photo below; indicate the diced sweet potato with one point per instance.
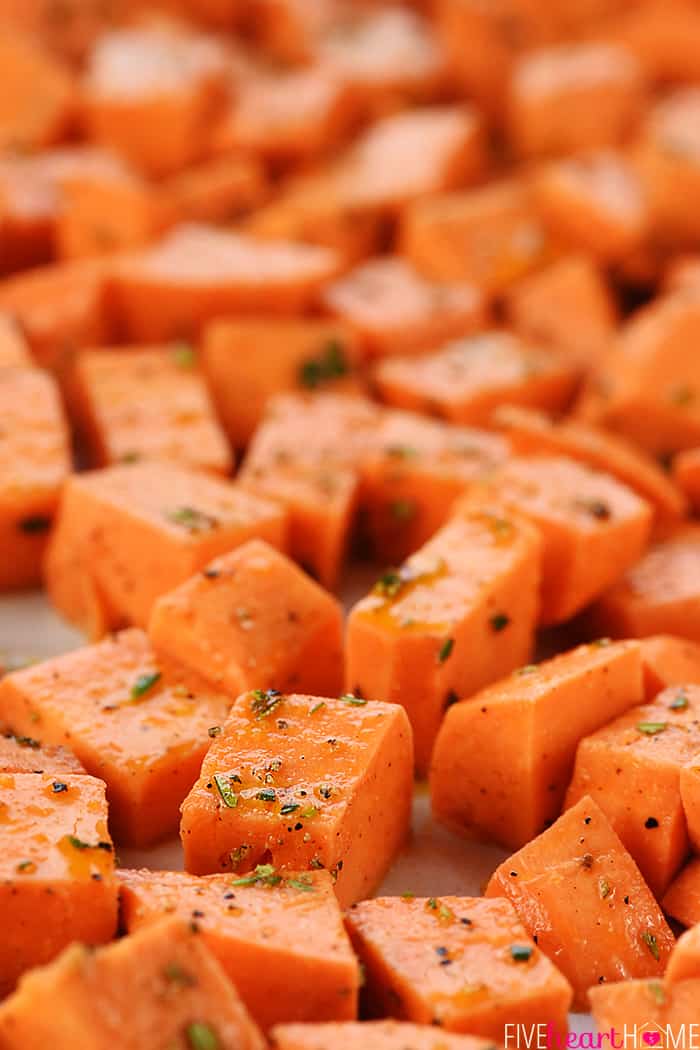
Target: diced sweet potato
{"x": 134, "y": 532}
{"x": 305, "y": 972}
{"x": 39, "y": 96}
{"x": 246, "y": 361}
{"x": 592, "y": 526}
{"x": 463, "y": 963}
{"x": 682, "y": 899}
{"x": 57, "y": 880}
{"x": 24, "y": 754}
{"x": 684, "y": 963}
{"x": 371, "y": 1035}
{"x": 138, "y": 724}
{"x": 159, "y": 988}
{"x": 219, "y": 190}
{"x": 504, "y": 758}
{"x": 460, "y": 613}
{"x": 690, "y": 788}
{"x": 252, "y": 619}
{"x": 34, "y": 463}
{"x": 658, "y": 594}
{"x": 289, "y": 30}
{"x": 581, "y": 896}
{"x": 668, "y": 661}
{"x": 647, "y": 1007}
{"x": 14, "y": 352}
{"x": 303, "y": 782}
{"x": 686, "y": 472}
{"x": 394, "y": 309}
{"x": 465, "y": 380}
{"x": 148, "y": 403}
{"x": 664, "y": 38}
{"x": 196, "y": 273}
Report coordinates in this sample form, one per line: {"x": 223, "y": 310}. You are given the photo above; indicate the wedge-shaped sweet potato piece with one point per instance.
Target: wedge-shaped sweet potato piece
{"x": 139, "y": 725}
{"x": 460, "y": 613}
{"x": 464, "y": 963}
{"x": 39, "y": 97}
{"x": 34, "y": 463}
{"x": 657, "y": 594}
{"x": 24, "y": 754}
{"x": 466, "y": 379}
{"x": 252, "y": 619}
{"x": 306, "y": 971}
{"x": 485, "y": 780}
{"x": 682, "y": 899}
{"x": 247, "y": 361}
{"x": 159, "y": 988}
{"x": 669, "y": 661}
{"x": 684, "y": 963}
{"x": 14, "y": 351}
{"x": 148, "y": 403}
{"x": 686, "y": 473}
{"x": 649, "y": 1008}
{"x": 196, "y": 273}
{"x": 395, "y": 310}
{"x": 371, "y": 1035}
{"x": 592, "y": 526}
{"x": 132, "y": 532}
{"x": 57, "y": 880}
{"x": 303, "y": 782}
{"x": 632, "y": 769}
{"x": 580, "y": 894}
{"x": 690, "y": 785}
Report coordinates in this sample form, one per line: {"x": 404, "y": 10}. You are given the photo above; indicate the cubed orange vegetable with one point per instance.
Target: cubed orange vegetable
{"x": 668, "y": 660}
{"x": 690, "y": 787}
{"x": 464, "y": 963}
{"x": 220, "y": 190}
{"x": 39, "y": 95}
{"x": 649, "y": 1008}
{"x": 682, "y": 899}
{"x": 306, "y": 972}
{"x": 57, "y": 880}
{"x": 371, "y": 1035}
{"x": 664, "y": 37}
{"x": 289, "y": 30}
{"x": 303, "y": 782}
{"x": 24, "y": 754}
{"x": 504, "y": 758}
{"x": 581, "y": 896}
{"x": 684, "y": 963}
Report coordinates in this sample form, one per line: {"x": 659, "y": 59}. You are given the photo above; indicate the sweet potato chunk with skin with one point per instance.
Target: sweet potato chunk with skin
{"x": 196, "y": 273}
{"x": 247, "y": 361}
{"x": 305, "y": 972}
{"x": 134, "y": 532}
{"x": 39, "y": 96}
{"x": 485, "y": 782}
{"x": 465, "y": 380}
{"x": 14, "y": 352}
{"x": 645, "y": 1006}
{"x": 328, "y": 785}
{"x": 252, "y": 619}
{"x": 57, "y": 880}
{"x": 668, "y": 660}
{"x": 682, "y": 899}
{"x": 581, "y": 896}
{"x": 34, "y": 463}
{"x": 466, "y": 964}
{"x": 148, "y": 403}
{"x": 460, "y": 613}
{"x": 659, "y": 593}
{"x": 686, "y": 473}
{"x": 24, "y": 754}
{"x": 159, "y": 988}
{"x": 395, "y": 310}
{"x": 141, "y": 726}
{"x": 632, "y": 769}
{"x": 371, "y": 1035}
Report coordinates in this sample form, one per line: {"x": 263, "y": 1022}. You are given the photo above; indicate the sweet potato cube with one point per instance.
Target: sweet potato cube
{"x": 24, "y": 754}
{"x": 39, "y": 96}
{"x": 196, "y": 273}
{"x": 684, "y": 963}
{"x": 632, "y": 769}
{"x": 465, "y": 380}
{"x": 682, "y": 899}
{"x": 159, "y": 988}
{"x": 459, "y": 614}
{"x": 303, "y": 782}
{"x": 219, "y": 190}
{"x": 396, "y": 310}
{"x": 148, "y": 403}
{"x": 669, "y": 661}
{"x": 133, "y": 532}
{"x": 138, "y": 725}
{"x": 34, "y": 463}
{"x": 306, "y": 972}
{"x": 464, "y": 963}
{"x": 651, "y": 1008}
{"x": 690, "y": 788}
{"x": 581, "y": 896}
{"x": 57, "y": 880}
{"x": 486, "y": 782}
{"x": 247, "y": 361}
{"x": 14, "y": 352}
{"x": 659, "y": 593}
{"x": 252, "y": 619}
{"x": 371, "y": 1035}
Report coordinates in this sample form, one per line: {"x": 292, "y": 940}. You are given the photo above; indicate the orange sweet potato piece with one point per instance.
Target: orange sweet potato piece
{"x": 14, "y": 352}
{"x": 668, "y": 660}
{"x": 581, "y": 896}
{"x": 219, "y": 190}
{"x": 486, "y": 781}
{"x": 53, "y": 842}
{"x": 460, "y": 613}
{"x": 24, "y": 754}
{"x": 34, "y": 463}
{"x": 395, "y": 310}
{"x": 246, "y": 361}
{"x": 159, "y": 988}
{"x": 371, "y": 1035}
{"x": 632, "y": 769}
{"x": 39, "y": 96}
{"x": 466, "y": 379}
{"x": 664, "y": 37}
{"x": 345, "y": 807}
{"x": 136, "y": 531}
{"x": 307, "y": 972}
{"x": 686, "y": 473}
{"x": 684, "y": 963}
{"x": 690, "y": 789}
{"x": 466, "y": 964}
{"x": 148, "y": 403}
{"x": 140, "y": 726}
{"x": 647, "y": 1007}
{"x": 252, "y": 619}
{"x": 682, "y": 899}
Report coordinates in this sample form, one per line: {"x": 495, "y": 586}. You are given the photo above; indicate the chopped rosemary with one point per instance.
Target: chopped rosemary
{"x": 143, "y": 683}
{"x": 228, "y": 795}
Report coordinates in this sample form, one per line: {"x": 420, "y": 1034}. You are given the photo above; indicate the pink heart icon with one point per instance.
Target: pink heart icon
{"x": 652, "y": 1038}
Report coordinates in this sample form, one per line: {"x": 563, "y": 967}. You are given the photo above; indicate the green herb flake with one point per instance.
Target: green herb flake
{"x": 527, "y": 669}
{"x": 651, "y": 728}
{"x": 389, "y": 584}
{"x": 144, "y": 683}
{"x": 657, "y": 991}
{"x": 183, "y": 355}
{"x": 289, "y": 807}
{"x": 352, "y": 700}
{"x": 499, "y": 622}
{"x": 408, "y": 896}
{"x": 403, "y": 509}
{"x": 445, "y": 650}
{"x": 679, "y": 702}
{"x": 223, "y": 786}
{"x": 191, "y": 519}
{"x": 651, "y": 943}
{"x": 201, "y": 1036}
{"x": 317, "y": 707}
{"x": 521, "y": 952}
{"x": 266, "y": 795}
{"x": 601, "y": 643}
{"x": 304, "y": 884}
{"x": 27, "y": 741}
{"x": 604, "y": 888}
{"x": 431, "y": 904}
{"x": 77, "y": 843}
{"x": 175, "y": 974}
{"x": 401, "y": 451}
{"x": 309, "y": 813}
{"x": 264, "y": 875}
{"x": 265, "y": 701}
{"x": 331, "y": 363}
{"x": 26, "y": 867}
